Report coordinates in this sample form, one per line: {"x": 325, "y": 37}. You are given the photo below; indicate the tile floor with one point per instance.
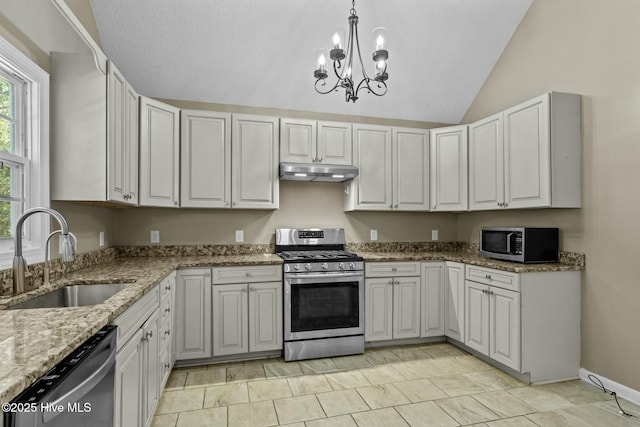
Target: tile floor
{"x": 425, "y": 385}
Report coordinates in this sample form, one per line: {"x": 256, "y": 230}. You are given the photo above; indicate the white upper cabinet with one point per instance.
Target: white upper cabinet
{"x": 528, "y": 156}
{"x": 393, "y": 168}
{"x": 449, "y": 169}
{"x": 159, "y": 153}
{"x": 254, "y": 162}
{"x": 308, "y": 141}
{"x": 94, "y": 143}
{"x": 205, "y": 146}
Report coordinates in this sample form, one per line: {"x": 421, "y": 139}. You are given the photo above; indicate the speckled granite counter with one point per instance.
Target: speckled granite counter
{"x": 569, "y": 261}
{"x": 33, "y": 341}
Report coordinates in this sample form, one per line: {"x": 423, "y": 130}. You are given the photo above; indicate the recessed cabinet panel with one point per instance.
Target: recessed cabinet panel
{"x": 265, "y": 316}
{"x": 193, "y": 314}
{"x": 448, "y": 164}
{"x": 297, "y": 141}
{"x": 378, "y": 310}
{"x": 406, "y": 307}
{"x": 505, "y": 324}
{"x": 410, "y": 169}
{"x": 454, "y": 301}
{"x": 230, "y": 316}
{"x": 477, "y": 317}
{"x": 373, "y": 158}
{"x": 486, "y": 163}
{"x": 334, "y": 143}
{"x": 432, "y": 296}
{"x": 116, "y": 131}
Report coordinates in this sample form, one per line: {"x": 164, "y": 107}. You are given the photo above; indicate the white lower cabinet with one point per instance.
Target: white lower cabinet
{"x": 392, "y": 301}
{"x": 193, "y": 314}
{"x": 150, "y": 368}
{"x": 432, "y": 299}
{"x": 454, "y": 301}
{"x": 247, "y": 310}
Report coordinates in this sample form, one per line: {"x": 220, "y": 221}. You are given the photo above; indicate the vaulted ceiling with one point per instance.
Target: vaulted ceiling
{"x": 261, "y": 53}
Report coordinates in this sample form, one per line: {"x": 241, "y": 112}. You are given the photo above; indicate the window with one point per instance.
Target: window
{"x": 24, "y": 152}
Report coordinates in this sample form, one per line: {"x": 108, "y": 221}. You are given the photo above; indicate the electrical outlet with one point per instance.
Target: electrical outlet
{"x": 374, "y": 235}
{"x": 155, "y": 236}
{"x": 101, "y": 239}
{"x": 239, "y": 236}
{"x": 434, "y": 235}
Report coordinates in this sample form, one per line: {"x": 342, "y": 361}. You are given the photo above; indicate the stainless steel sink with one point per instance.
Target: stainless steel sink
{"x": 73, "y": 296}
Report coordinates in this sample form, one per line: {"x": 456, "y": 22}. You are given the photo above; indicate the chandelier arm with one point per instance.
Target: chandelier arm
{"x": 381, "y": 85}
{"x": 336, "y": 66}
{"x": 323, "y": 84}
{"x": 364, "y": 71}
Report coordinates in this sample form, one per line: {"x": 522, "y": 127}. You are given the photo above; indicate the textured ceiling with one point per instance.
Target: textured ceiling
{"x": 262, "y": 52}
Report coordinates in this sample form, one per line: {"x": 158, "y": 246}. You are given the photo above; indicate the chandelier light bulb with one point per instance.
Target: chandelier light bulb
{"x": 336, "y": 41}
{"x": 379, "y": 42}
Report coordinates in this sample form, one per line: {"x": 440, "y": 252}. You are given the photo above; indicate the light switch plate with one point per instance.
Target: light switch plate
{"x": 155, "y": 236}
{"x": 374, "y": 235}
{"x": 434, "y": 235}
{"x": 101, "y": 242}
{"x": 239, "y": 236}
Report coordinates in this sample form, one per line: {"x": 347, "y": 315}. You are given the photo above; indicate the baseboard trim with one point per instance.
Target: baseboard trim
{"x": 621, "y": 390}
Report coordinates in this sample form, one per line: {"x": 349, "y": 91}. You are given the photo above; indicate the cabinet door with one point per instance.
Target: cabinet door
{"x": 334, "y": 143}
{"x": 230, "y": 315}
{"x": 132, "y": 126}
{"x": 265, "y": 316}
{"x": 505, "y": 327}
{"x": 378, "y": 299}
{"x": 193, "y": 314}
{"x": 372, "y": 156}
{"x": 527, "y": 154}
{"x": 205, "y": 143}
{"x": 128, "y": 383}
{"x": 432, "y": 297}
{"x": 159, "y": 153}
{"x": 406, "y": 307}
{"x": 117, "y": 159}
{"x": 298, "y": 141}
{"x": 477, "y": 316}
{"x": 486, "y": 164}
{"x": 254, "y": 162}
{"x": 448, "y": 166}
{"x": 151, "y": 367}
{"x": 410, "y": 169}
{"x": 454, "y": 301}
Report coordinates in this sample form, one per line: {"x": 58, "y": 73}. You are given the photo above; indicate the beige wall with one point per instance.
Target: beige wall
{"x": 302, "y": 204}
{"x": 588, "y": 47}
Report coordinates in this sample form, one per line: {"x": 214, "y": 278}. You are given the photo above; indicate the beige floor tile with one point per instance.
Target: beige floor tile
{"x": 166, "y": 420}
{"x": 596, "y": 416}
{"x": 228, "y": 394}
{"x": 206, "y": 377}
{"x": 420, "y": 390}
{"x": 180, "y": 400}
{"x": 467, "y": 410}
{"x": 442, "y": 350}
{"x": 254, "y": 414}
{"x": 297, "y": 409}
{"x": 409, "y": 353}
{"x": 577, "y": 392}
{"x": 245, "y": 373}
{"x": 382, "y": 374}
{"x": 382, "y": 396}
{"x": 387, "y": 417}
{"x": 294, "y": 425}
{"x": 308, "y": 384}
{"x": 282, "y": 369}
{"x": 340, "y": 421}
{"x": 381, "y": 357}
{"x": 512, "y": 422}
{"x": 263, "y": 361}
{"x": 472, "y": 363}
{"x": 456, "y": 385}
{"x": 628, "y": 407}
{"x": 504, "y": 404}
{"x": 428, "y": 368}
{"x": 553, "y": 419}
{"x": 211, "y": 417}
{"x": 318, "y": 366}
{"x": 348, "y": 379}
{"x": 352, "y": 362}
{"x": 176, "y": 380}
{"x": 426, "y": 414}
{"x": 268, "y": 389}
{"x": 341, "y": 402}
{"x": 493, "y": 380}
{"x": 539, "y": 399}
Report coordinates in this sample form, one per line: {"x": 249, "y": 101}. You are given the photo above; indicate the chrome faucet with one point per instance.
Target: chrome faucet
{"x": 46, "y": 270}
{"x": 19, "y": 264}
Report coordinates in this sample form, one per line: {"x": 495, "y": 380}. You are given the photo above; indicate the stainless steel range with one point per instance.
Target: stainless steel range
{"x": 323, "y": 294}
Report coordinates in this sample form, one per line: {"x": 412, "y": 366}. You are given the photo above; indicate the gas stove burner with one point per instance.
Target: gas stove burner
{"x": 317, "y": 255}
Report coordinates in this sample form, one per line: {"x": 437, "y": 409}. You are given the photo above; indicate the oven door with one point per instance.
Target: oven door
{"x": 321, "y": 305}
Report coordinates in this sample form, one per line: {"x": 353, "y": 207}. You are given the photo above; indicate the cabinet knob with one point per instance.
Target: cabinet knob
{"x": 252, "y": 289}
{"x": 391, "y": 206}
{"x": 396, "y": 206}
{"x": 320, "y": 160}
{"x": 175, "y": 203}
{"x": 167, "y": 332}
{"x": 487, "y": 276}
{"x": 167, "y": 366}
{"x": 167, "y": 310}
{"x": 233, "y": 203}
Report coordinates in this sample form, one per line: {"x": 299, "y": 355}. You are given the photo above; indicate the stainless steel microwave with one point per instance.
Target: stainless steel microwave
{"x": 519, "y": 244}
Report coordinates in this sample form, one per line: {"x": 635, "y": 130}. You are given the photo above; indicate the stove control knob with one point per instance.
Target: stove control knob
{"x": 325, "y": 266}
{"x": 296, "y": 267}
{"x": 341, "y": 265}
{"x": 307, "y": 266}
{"x": 352, "y": 265}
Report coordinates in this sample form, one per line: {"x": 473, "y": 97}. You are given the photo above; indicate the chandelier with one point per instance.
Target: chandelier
{"x": 343, "y": 63}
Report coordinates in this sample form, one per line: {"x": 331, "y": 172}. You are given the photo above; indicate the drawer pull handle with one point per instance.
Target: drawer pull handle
{"x": 167, "y": 332}
{"x": 488, "y": 277}
{"x": 167, "y": 310}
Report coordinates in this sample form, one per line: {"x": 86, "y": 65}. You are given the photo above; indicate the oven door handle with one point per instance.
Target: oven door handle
{"x": 326, "y": 277}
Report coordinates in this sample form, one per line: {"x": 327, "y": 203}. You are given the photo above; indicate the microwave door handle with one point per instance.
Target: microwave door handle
{"x": 509, "y": 243}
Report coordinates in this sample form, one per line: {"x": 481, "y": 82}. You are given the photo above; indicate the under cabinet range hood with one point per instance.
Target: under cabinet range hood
{"x": 316, "y": 172}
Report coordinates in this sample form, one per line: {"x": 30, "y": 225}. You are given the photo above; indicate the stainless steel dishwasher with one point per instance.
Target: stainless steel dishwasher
{"x": 79, "y": 391}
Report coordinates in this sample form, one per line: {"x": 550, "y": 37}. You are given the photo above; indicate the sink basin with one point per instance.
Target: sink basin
{"x": 73, "y": 296}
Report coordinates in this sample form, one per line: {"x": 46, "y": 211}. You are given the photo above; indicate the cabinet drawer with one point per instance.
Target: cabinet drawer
{"x": 165, "y": 310}
{"x": 166, "y": 285}
{"x": 133, "y": 317}
{"x": 389, "y": 269}
{"x": 493, "y": 277}
{"x": 247, "y": 274}
{"x": 165, "y": 332}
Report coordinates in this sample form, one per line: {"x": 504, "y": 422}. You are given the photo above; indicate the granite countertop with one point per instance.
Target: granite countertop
{"x": 32, "y": 341}
{"x": 568, "y": 263}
